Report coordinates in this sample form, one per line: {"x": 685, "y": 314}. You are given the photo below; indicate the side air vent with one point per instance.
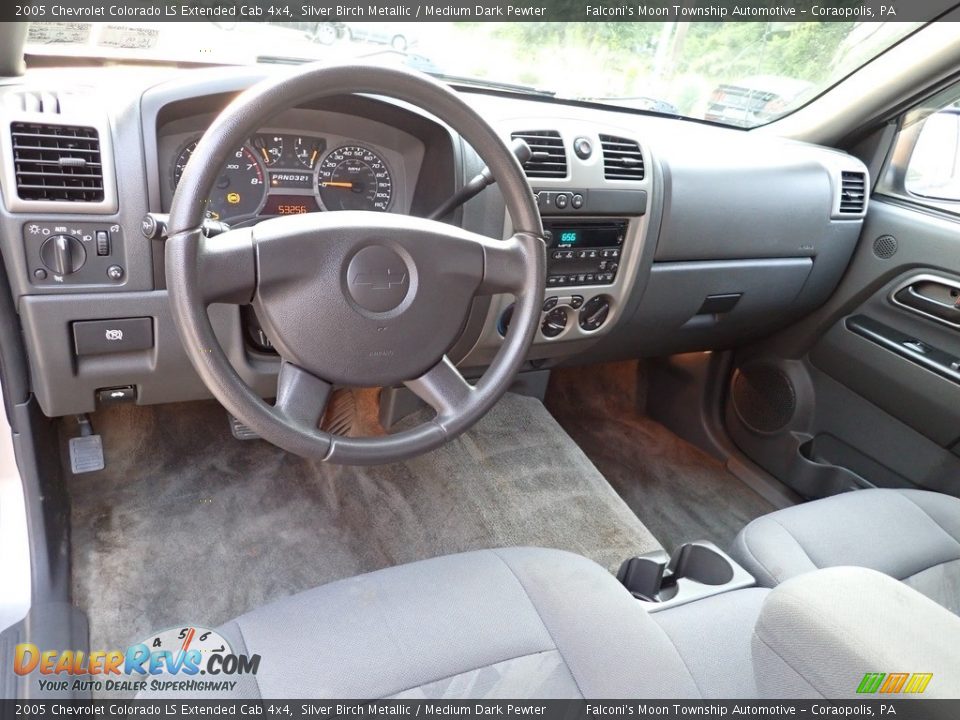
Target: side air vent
{"x": 57, "y": 162}
{"x": 622, "y": 158}
{"x": 549, "y": 159}
{"x": 853, "y": 193}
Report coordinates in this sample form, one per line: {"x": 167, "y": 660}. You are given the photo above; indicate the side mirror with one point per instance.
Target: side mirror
{"x": 934, "y": 167}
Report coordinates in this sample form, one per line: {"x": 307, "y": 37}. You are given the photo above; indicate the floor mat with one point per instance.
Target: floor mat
{"x": 677, "y": 490}
{"x": 186, "y": 524}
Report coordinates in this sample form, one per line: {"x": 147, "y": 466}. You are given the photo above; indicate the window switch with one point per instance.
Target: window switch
{"x": 103, "y": 242}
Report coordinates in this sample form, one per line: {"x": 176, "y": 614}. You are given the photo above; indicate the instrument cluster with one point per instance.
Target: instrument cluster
{"x": 277, "y": 173}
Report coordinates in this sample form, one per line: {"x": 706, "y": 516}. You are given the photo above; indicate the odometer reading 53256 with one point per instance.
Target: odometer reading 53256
{"x": 354, "y": 178}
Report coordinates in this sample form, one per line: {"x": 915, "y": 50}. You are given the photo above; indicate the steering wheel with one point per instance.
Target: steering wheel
{"x": 352, "y": 298}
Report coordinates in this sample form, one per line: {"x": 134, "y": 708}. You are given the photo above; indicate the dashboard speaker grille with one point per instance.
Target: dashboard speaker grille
{"x": 763, "y": 397}
{"x": 57, "y": 162}
{"x": 885, "y": 247}
{"x": 622, "y": 158}
{"x": 548, "y": 158}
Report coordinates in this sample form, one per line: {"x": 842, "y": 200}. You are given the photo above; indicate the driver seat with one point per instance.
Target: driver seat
{"x": 537, "y": 623}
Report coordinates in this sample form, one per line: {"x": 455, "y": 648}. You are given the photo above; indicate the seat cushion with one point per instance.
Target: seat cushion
{"x": 911, "y": 535}
{"x": 509, "y": 623}
{"x": 821, "y": 634}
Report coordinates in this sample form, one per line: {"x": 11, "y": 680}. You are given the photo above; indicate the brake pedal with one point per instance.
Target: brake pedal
{"x": 86, "y": 451}
{"x": 341, "y": 417}
{"x": 241, "y": 431}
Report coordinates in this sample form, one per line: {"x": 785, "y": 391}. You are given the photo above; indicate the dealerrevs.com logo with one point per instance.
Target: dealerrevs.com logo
{"x": 183, "y": 659}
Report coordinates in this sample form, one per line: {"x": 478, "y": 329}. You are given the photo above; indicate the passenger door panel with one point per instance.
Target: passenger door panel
{"x": 876, "y": 398}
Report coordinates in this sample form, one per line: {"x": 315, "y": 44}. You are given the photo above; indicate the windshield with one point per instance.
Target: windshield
{"x": 740, "y": 74}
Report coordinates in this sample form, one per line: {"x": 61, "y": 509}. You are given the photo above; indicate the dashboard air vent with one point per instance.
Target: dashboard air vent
{"x": 622, "y": 158}
{"x": 57, "y": 162}
{"x": 853, "y": 193}
{"x": 549, "y": 159}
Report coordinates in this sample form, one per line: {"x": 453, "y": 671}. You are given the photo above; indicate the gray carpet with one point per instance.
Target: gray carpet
{"x": 676, "y": 489}
{"x": 186, "y": 524}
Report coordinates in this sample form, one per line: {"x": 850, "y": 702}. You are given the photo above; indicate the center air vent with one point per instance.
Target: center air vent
{"x": 57, "y": 162}
{"x": 549, "y": 159}
{"x": 622, "y": 158}
{"x": 853, "y": 193}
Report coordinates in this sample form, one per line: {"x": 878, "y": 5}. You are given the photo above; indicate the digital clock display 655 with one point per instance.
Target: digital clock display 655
{"x": 289, "y": 205}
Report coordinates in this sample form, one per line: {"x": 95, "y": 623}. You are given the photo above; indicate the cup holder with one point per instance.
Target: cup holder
{"x": 695, "y": 570}
{"x": 704, "y": 564}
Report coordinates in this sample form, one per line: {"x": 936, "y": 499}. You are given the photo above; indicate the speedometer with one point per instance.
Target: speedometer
{"x": 239, "y": 189}
{"x": 353, "y": 177}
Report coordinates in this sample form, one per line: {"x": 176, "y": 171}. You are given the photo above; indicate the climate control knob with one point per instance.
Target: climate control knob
{"x": 63, "y": 254}
{"x": 594, "y": 313}
{"x": 554, "y": 323}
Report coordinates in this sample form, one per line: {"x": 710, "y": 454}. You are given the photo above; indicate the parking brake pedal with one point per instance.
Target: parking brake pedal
{"x": 86, "y": 451}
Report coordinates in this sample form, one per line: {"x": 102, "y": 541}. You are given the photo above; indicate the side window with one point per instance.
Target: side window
{"x": 925, "y": 165}
{"x": 934, "y": 167}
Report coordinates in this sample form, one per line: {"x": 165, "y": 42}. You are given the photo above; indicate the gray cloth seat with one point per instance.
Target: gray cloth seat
{"x": 911, "y": 535}
{"x": 518, "y": 622}
{"x": 535, "y": 623}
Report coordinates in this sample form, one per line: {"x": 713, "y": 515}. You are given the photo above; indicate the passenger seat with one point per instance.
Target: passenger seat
{"x": 911, "y": 535}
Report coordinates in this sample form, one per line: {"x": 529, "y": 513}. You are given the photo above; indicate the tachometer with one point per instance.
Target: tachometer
{"x": 353, "y": 177}
{"x": 238, "y": 191}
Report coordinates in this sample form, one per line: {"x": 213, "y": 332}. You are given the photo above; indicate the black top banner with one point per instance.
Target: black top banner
{"x": 474, "y": 709}
{"x": 484, "y": 11}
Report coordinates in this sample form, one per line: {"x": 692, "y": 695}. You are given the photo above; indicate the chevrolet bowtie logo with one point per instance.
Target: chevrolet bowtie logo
{"x": 380, "y": 280}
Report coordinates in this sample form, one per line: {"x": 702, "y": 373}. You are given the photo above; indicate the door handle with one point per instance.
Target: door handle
{"x": 931, "y": 296}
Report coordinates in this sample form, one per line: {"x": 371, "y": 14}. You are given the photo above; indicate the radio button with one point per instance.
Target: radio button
{"x": 558, "y": 254}
{"x": 553, "y": 280}
{"x": 590, "y": 278}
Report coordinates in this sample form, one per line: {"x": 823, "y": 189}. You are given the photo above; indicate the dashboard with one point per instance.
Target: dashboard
{"x": 664, "y": 236}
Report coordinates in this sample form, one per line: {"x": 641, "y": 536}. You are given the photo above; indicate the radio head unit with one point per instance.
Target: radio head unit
{"x": 583, "y": 252}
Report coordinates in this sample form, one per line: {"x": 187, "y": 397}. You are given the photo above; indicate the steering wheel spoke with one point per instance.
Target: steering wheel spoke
{"x": 301, "y": 396}
{"x": 443, "y": 388}
{"x": 226, "y": 267}
{"x": 505, "y": 264}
